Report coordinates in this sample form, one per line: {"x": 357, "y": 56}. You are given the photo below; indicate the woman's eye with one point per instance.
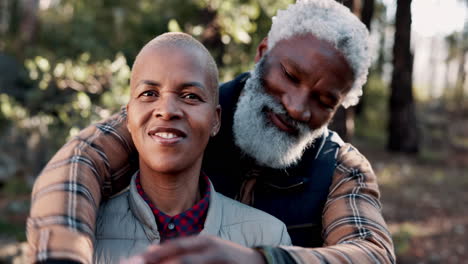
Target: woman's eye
{"x": 191, "y": 96}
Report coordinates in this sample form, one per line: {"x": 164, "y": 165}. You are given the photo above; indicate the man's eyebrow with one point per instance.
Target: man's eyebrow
{"x": 332, "y": 96}
{"x": 295, "y": 67}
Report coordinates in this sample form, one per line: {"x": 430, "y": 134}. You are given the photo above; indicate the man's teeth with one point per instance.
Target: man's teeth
{"x": 166, "y": 135}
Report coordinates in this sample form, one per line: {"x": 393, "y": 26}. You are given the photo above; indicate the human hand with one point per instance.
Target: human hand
{"x": 197, "y": 249}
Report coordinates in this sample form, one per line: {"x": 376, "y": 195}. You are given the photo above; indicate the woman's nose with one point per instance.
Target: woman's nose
{"x": 168, "y": 108}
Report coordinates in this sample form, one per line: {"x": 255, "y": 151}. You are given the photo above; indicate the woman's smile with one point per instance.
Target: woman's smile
{"x": 167, "y": 136}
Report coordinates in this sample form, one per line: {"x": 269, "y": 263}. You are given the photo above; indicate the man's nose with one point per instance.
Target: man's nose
{"x": 168, "y": 108}
{"x": 297, "y": 105}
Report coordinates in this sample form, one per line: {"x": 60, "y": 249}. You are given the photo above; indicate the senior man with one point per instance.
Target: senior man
{"x": 274, "y": 152}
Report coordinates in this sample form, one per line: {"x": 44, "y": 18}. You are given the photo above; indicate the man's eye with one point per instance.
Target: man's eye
{"x": 288, "y": 75}
{"x": 327, "y": 106}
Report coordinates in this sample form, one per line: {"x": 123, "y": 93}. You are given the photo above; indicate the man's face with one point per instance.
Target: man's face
{"x": 172, "y": 111}
{"x": 309, "y": 77}
{"x": 288, "y": 102}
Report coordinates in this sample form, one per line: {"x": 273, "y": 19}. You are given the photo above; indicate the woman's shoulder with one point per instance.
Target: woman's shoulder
{"x": 239, "y": 212}
{"x": 254, "y": 227}
{"x": 116, "y": 203}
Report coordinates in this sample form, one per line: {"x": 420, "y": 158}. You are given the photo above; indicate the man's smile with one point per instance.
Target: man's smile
{"x": 281, "y": 122}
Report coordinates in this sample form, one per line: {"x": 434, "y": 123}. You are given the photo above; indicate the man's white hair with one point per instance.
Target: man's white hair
{"x": 330, "y": 21}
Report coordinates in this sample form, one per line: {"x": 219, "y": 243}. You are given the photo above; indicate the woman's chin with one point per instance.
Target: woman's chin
{"x": 165, "y": 167}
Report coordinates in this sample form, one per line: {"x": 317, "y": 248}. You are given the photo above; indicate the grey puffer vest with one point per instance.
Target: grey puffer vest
{"x": 126, "y": 225}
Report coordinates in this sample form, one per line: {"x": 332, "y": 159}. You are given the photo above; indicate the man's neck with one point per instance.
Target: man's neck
{"x": 172, "y": 193}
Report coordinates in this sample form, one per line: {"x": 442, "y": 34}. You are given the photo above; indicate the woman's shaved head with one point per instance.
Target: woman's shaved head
{"x": 188, "y": 44}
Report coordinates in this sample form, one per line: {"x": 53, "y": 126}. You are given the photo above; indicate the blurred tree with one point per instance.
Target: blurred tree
{"x": 367, "y": 12}
{"x": 75, "y": 56}
{"x": 28, "y": 25}
{"x": 457, "y": 43}
{"x": 403, "y": 128}
{"x": 343, "y": 122}
{"x": 380, "y": 10}
{"x": 463, "y": 53}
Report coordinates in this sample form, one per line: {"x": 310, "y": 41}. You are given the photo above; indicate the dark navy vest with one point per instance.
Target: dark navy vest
{"x": 296, "y": 195}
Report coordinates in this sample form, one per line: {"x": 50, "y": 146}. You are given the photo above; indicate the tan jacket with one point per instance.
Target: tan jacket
{"x": 95, "y": 164}
{"x": 126, "y": 225}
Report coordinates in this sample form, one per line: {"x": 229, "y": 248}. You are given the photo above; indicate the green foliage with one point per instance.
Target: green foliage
{"x": 402, "y": 239}
{"x": 16, "y": 187}
{"x": 68, "y": 94}
{"x": 372, "y": 124}
{"x": 77, "y": 67}
{"x": 15, "y": 230}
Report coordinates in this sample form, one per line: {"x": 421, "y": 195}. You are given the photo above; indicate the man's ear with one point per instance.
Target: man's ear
{"x": 261, "y": 49}
{"x": 217, "y": 121}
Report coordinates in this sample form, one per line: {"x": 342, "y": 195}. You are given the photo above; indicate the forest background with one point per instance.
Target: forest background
{"x": 65, "y": 64}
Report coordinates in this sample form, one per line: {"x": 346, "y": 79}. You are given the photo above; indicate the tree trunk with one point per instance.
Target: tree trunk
{"x": 4, "y": 17}
{"x": 28, "y": 25}
{"x": 343, "y": 121}
{"x": 347, "y": 3}
{"x": 367, "y": 12}
{"x": 461, "y": 78}
{"x": 403, "y": 130}
{"x": 211, "y": 36}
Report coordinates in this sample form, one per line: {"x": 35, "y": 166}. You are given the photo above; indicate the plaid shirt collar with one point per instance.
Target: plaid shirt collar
{"x": 190, "y": 222}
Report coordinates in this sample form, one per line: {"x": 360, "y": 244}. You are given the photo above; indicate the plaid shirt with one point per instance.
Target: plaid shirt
{"x": 95, "y": 162}
{"x": 188, "y": 223}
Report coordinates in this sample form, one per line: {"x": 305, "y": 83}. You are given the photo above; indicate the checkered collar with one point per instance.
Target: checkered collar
{"x": 187, "y": 223}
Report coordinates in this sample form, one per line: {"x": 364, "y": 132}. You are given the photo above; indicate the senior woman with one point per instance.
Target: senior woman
{"x": 172, "y": 112}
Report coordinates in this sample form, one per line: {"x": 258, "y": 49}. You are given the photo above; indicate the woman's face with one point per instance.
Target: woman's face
{"x": 172, "y": 111}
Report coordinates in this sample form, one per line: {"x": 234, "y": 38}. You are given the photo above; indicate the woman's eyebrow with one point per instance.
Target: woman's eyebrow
{"x": 195, "y": 84}
{"x": 148, "y": 82}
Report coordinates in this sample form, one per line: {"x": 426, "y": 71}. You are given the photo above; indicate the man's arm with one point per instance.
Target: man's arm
{"x": 66, "y": 194}
{"x": 353, "y": 227}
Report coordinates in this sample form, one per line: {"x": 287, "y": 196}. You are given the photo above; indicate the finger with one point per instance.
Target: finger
{"x": 204, "y": 258}
{"x": 133, "y": 260}
{"x": 176, "y": 247}
{"x": 138, "y": 259}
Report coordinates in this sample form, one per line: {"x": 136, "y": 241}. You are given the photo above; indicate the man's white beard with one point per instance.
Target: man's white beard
{"x": 258, "y": 137}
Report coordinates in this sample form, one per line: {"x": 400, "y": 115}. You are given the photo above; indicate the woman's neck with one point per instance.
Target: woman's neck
{"x": 171, "y": 193}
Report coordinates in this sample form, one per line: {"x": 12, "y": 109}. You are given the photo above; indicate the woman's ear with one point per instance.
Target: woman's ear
{"x": 217, "y": 121}
{"x": 126, "y": 120}
{"x": 261, "y": 49}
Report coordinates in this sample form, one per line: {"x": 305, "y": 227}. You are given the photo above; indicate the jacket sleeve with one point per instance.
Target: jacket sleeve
{"x": 96, "y": 163}
{"x": 354, "y": 230}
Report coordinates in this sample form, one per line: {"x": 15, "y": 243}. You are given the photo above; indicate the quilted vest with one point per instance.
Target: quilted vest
{"x": 296, "y": 195}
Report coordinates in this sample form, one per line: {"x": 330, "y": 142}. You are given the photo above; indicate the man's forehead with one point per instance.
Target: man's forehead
{"x": 304, "y": 42}
{"x": 305, "y": 54}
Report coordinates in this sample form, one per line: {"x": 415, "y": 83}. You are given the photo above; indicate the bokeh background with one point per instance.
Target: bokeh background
{"x": 65, "y": 64}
